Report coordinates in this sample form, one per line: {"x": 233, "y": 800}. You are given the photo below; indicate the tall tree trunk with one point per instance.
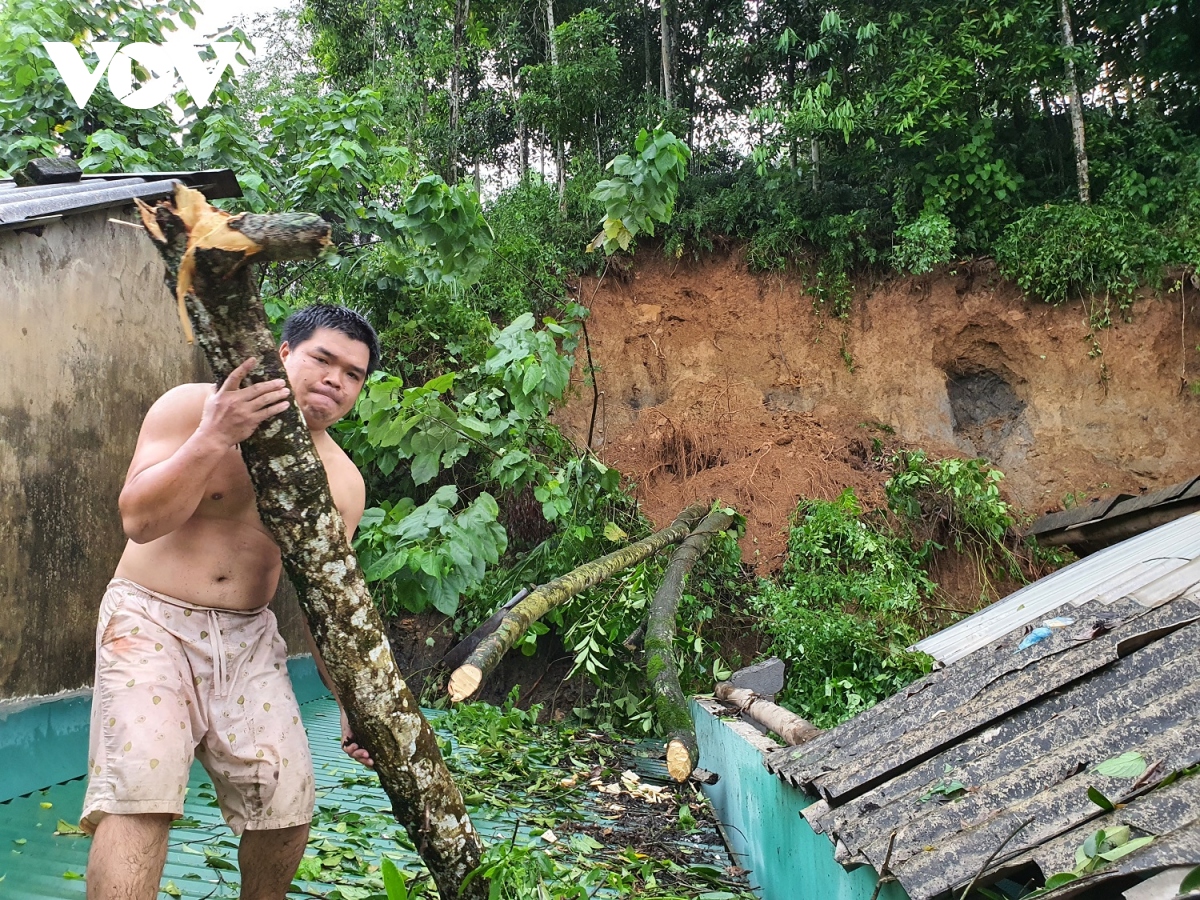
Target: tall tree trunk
{"x": 662, "y": 668}
{"x": 647, "y": 56}
{"x": 466, "y": 679}
{"x": 523, "y": 140}
{"x": 1081, "y": 160}
{"x": 815, "y": 159}
{"x": 462, "y": 9}
{"x": 207, "y": 253}
{"x": 560, "y": 161}
{"x": 667, "y": 56}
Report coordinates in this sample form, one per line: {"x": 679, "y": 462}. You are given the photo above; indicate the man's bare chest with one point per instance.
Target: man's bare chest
{"x": 229, "y": 493}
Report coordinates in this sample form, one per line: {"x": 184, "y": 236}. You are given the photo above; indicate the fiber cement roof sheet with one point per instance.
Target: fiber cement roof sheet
{"x": 995, "y": 753}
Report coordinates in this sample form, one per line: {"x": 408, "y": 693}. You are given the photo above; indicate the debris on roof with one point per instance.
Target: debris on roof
{"x": 994, "y": 766}
{"x": 36, "y": 204}
{"x": 1101, "y": 523}
{"x": 1141, "y": 566}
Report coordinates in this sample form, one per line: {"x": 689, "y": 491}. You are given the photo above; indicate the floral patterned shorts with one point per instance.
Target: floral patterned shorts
{"x": 176, "y": 681}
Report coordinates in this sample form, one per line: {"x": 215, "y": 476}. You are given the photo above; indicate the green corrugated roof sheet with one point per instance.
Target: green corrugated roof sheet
{"x": 36, "y": 863}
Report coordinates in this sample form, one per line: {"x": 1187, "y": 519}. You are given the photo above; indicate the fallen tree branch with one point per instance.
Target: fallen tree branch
{"x": 789, "y": 726}
{"x": 466, "y": 678}
{"x": 207, "y": 253}
{"x": 458, "y": 654}
{"x": 662, "y": 669}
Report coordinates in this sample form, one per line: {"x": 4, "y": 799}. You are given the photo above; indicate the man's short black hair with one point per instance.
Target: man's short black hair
{"x": 301, "y": 324}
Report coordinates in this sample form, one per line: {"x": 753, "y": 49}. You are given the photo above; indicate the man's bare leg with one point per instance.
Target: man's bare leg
{"x": 127, "y": 857}
{"x": 268, "y": 861}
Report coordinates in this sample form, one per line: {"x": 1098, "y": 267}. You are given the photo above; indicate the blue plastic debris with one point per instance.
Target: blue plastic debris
{"x": 1034, "y": 637}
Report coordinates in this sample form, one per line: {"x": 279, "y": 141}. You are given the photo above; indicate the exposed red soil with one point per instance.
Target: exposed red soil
{"x": 719, "y": 382}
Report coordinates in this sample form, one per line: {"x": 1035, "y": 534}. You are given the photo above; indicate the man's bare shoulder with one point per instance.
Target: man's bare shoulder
{"x": 338, "y": 463}
{"x": 183, "y": 399}
{"x": 179, "y": 408}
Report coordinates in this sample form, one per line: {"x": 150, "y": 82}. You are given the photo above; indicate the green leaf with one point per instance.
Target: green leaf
{"x": 1126, "y": 848}
{"x": 1127, "y": 765}
{"x": 614, "y": 533}
{"x": 1191, "y": 881}
{"x": 72, "y": 876}
{"x": 1057, "y": 881}
{"x": 171, "y": 890}
{"x": 1100, "y": 800}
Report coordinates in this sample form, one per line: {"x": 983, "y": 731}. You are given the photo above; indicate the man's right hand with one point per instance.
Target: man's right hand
{"x": 232, "y": 412}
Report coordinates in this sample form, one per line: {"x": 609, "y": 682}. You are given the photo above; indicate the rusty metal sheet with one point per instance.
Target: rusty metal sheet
{"x": 1116, "y": 691}
{"x": 931, "y": 726}
{"x": 27, "y": 206}
{"x": 927, "y": 869}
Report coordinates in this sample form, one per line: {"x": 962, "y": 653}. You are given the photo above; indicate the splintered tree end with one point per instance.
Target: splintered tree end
{"x": 465, "y": 682}
{"x": 680, "y": 761}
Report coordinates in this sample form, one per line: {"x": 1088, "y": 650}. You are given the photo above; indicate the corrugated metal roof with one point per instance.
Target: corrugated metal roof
{"x": 28, "y": 207}
{"x": 1021, "y": 731}
{"x": 1106, "y": 575}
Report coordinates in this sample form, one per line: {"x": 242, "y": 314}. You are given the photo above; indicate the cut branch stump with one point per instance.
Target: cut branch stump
{"x": 662, "y": 668}
{"x": 208, "y": 255}
{"x": 785, "y": 723}
{"x": 466, "y": 678}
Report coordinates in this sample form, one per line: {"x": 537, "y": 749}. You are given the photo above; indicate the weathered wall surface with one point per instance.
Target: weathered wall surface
{"x": 89, "y": 339}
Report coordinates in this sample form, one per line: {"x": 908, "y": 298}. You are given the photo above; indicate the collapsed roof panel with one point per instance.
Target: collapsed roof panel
{"x": 986, "y": 764}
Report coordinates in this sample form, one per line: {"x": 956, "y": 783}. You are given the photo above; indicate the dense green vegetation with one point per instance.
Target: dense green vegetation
{"x": 475, "y": 158}
{"x": 855, "y": 589}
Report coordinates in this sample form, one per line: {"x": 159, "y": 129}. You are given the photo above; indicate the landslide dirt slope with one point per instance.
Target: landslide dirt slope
{"x": 717, "y": 381}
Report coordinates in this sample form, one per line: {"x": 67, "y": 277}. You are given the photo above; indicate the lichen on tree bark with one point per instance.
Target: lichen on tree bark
{"x": 207, "y": 255}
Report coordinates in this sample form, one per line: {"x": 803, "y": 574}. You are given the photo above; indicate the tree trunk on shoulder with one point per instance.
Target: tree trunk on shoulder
{"x": 1081, "y": 161}
{"x": 662, "y": 669}
{"x": 466, "y": 678}
{"x": 207, "y": 253}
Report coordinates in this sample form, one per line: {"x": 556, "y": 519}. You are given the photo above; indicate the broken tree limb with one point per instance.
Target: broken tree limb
{"x": 458, "y": 654}
{"x": 785, "y": 723}
{"x": 662, "y": 669}
{"x": 212, "y": 251}
{"x": 466, "y": 678}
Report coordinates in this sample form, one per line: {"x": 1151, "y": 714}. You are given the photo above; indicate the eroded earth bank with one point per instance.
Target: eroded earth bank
{"x": 718, "y": 382}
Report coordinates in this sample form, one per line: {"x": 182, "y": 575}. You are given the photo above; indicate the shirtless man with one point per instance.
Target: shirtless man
{"x": 188, "y": 657}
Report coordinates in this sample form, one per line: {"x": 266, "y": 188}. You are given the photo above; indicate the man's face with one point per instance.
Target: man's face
{"x": 326, "y": 371}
